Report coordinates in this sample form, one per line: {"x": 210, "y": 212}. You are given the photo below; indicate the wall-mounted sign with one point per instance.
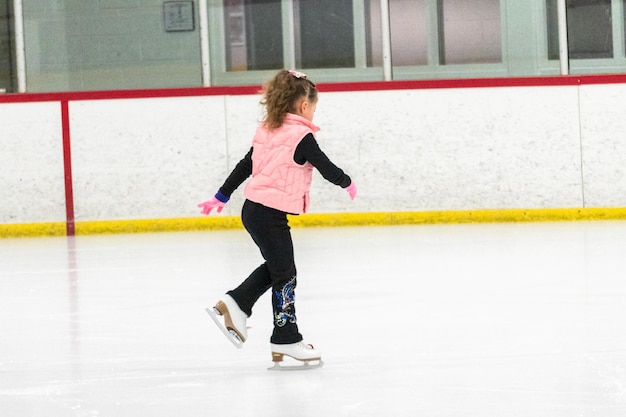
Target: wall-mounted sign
{"x": 178, "y": 16}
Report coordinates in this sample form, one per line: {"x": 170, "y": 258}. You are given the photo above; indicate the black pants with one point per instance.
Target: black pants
{"x": 270, "y": 231}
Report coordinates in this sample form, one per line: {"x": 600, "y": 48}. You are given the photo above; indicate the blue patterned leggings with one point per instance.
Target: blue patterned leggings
{"x": 270, "y": 231}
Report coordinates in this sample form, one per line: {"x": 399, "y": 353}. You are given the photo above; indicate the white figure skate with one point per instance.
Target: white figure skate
{"x": 307, "y": 354}
{"x": 234, "y": 327}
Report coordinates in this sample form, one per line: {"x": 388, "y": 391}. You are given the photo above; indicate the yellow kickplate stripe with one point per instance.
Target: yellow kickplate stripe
{"x": 317, "y": 220}
{"x": 457, "y": 216}
{"x": 32, "y": 229}
{"x": 158, "y": 225}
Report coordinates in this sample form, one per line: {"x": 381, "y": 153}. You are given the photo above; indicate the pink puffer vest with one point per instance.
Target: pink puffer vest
{"x": 277, "y": 180}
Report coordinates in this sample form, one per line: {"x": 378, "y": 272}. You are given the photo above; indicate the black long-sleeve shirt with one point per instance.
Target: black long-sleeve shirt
{"x": 307, "y": 150}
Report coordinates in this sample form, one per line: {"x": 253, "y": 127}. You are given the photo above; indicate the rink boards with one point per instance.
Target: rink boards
{"x": 484, "y": 150}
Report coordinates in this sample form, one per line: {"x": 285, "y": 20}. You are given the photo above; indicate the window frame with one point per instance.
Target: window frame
{"x": 361, "y": 72}
{"x": 523, "y": 40}
{"x": 217, "y": 43}
{"x": 585, "y": 66}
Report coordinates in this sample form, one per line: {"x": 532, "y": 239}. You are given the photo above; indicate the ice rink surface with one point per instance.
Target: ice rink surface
{"x": 488, "y": 320}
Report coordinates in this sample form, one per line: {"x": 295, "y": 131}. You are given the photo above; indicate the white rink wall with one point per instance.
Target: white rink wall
{"x": 31, "y": 163}
{"x": 407, "y": 150}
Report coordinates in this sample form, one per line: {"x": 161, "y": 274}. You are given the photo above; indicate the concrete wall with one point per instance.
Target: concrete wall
{"x": 526, "y": 147}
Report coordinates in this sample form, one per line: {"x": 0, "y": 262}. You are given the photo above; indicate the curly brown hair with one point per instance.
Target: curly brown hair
{"x": 282, "y": 93}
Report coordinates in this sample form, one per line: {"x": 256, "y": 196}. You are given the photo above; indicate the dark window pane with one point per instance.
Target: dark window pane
{"x": 6, "y": 53}
{"x": 589, "y": 29}
{"x": 326, "y": 33}
{"x": 254, "y": 36}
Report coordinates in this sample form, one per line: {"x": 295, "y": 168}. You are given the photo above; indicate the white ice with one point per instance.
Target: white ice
{"x": 489, "y": 320}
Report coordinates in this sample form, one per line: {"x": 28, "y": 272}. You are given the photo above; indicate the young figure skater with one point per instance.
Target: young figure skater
{"x": 281, "y": 161}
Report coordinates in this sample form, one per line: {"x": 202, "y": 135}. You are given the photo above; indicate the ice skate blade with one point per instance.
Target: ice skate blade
{"x": 306, "y": 366}
{"x": 230, "y": 334}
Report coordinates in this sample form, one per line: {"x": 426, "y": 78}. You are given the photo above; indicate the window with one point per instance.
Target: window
{"x": 323, "y": 34}
{"x": 325, "y": 29}
{"x": 254, "y": 40}
{"x": 589, "y": 29}
{"x": 101, "y": 45}
{"x": 124, "y": 44}
{"x": 6, "y": 76}
{"x": 409, "y": 36}
{"x": 469, "y": 31}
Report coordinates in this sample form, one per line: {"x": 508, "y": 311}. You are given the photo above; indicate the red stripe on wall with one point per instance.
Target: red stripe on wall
{"x": 557, "y": 80}
{"x": 67, "y": 166}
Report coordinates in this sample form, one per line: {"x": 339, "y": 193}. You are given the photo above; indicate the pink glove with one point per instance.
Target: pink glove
{"x": 209, "y": 205}
{"x": 351, "y": 189}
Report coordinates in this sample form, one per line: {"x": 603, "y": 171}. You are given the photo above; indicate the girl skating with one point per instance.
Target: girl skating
{"x": 281, "y": 160}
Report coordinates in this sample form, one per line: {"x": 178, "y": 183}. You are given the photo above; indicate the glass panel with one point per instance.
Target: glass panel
{"x": 325, "y": 29}
{"x": 409, "y": 32}
{"x": 470, "y": 32}
{"x": 74, "y": 45}
{"x": 6, "y": 53}
{"x": 254, "y": 36}
{"x": 589, "y": 29}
